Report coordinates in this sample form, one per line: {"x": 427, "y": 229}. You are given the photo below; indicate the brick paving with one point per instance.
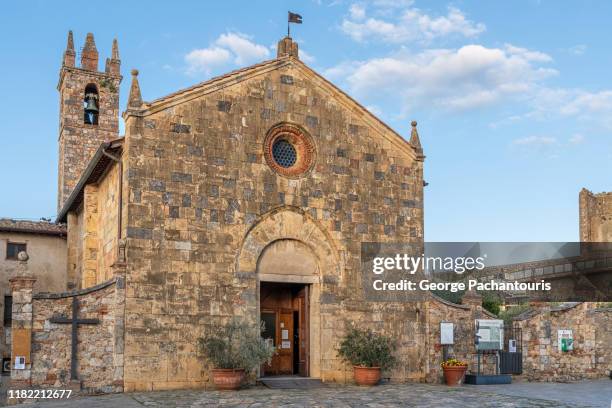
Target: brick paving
{"x": 582, "y": 394}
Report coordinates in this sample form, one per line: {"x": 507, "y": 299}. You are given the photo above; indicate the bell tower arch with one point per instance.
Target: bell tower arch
{"x": 89, "y": 110}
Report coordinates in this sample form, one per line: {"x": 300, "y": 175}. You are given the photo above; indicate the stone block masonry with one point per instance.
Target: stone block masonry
{"x": 199, "y": 188}
{"x": 591, "y": 356}
{"x": 99, "y": 346}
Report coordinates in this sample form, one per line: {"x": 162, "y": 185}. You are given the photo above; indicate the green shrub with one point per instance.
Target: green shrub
{"x": 511, "y": 312}
{"x": 491, "y": 301}
{"x": 236, "y": 345}
{"x": 365, "y": 348}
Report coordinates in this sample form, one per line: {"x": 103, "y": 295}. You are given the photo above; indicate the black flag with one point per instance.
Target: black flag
{"x": 295, "y": 18}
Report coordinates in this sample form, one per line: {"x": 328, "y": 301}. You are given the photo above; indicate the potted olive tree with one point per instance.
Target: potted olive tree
{"x": 233, "y": 350}
{"x": 369, "y": 353}
{"x": 454, "y": 371}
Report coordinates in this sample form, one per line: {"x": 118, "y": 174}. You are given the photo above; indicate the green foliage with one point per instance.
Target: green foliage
{"x": 105, "y": 83}
{"x": 511, "y": 312}
{"x": 453, "y": 297}
{"x": 367, "y": 349}
{"x": 491, "y": 301}
{"x": 236, "y": 345}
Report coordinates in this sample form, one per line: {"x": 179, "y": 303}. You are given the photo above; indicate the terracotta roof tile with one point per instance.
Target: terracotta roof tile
{"x": 32, "y": 227}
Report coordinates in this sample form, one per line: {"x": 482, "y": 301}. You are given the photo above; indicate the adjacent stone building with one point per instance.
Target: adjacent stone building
{"x": 595, "y": 216}
{"x": 45, "y": 244}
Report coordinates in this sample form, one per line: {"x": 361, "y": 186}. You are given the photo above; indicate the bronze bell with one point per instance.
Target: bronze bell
{"x": 90, "y": 103}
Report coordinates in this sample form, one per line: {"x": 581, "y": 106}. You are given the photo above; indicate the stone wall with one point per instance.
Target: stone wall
{"x": 100, "y": 346}
{"x": 595, "y": 216}
{"x": 92, "y": 233}
{"x": 74, "y": 253}
{"x": 108, "y": 202}
{"x": 199, "y": 184}
{"x": 592, "y": 332}
{"x": 463, "y": 318}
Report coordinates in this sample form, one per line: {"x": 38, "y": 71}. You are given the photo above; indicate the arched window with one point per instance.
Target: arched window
{"x": 90, "y": 105}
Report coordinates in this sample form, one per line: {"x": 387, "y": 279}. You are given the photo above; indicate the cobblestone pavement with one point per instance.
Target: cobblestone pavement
{"x": 404, "y": 395}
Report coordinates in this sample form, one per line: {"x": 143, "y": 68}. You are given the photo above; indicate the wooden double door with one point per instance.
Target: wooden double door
{"x": 285, "y": 312}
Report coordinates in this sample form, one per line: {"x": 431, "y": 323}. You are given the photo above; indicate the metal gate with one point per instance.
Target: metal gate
{"x": 511, "y": 357}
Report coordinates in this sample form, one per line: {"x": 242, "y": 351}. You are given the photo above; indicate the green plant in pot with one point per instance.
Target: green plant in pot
{"x": 233, "y": 350}
{"x": 369, "y": 353}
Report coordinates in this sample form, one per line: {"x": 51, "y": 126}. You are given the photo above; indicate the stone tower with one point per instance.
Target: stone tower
{"x": 89, "y": 110}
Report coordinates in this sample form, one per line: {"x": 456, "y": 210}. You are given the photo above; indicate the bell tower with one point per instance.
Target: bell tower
{"x": 89, "y": 110}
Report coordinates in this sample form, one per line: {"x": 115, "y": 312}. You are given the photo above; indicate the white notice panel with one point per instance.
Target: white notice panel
{"x": 447, "y": 333}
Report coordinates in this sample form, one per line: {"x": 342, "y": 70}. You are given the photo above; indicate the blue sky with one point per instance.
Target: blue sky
{"x": 513, "y": 99}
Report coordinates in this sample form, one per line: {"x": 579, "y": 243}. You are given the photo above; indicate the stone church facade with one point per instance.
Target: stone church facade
{"x": 246, "y": 195}
{"x": 263, "y": 180}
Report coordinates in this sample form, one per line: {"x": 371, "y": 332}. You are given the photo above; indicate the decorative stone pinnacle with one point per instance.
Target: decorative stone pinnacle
{"x": 135, "y": 98}
{"x": 89, "y": 41}
{"x": 69, "y": 54}
{"x": 414, "y": 137}
{"x": 89, "y": 54}
{"x": 115, "y": 52}
{"x": 70, "y": 44}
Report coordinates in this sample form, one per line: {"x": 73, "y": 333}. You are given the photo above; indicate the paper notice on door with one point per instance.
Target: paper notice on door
{"x": 285, "y": 334}
{"x": 286, "y": 344}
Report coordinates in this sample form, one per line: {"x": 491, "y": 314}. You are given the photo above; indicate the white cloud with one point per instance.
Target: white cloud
{"x": 535, "y": 141}
{"x": 455, "y": 79}
{"x": 406, "y": 23}
{"x": 202, "y": 60}
{"x": 528, "y": 55}
{"x": 588, "y": 106}
{"x": 243, "y": 48}
{"x": 306, "y": 57}
{"x": 231, "y": 47}
{"x": 357, "y": 11}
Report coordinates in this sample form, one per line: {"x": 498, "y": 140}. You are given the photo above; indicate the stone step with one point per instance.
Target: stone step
{"x": 291, "y": 382}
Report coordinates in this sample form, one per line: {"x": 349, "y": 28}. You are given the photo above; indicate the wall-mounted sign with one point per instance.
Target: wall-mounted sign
{"x": 512, "y": 346}
{"x": 286, "y": 344}
{"x": 285, "y": 334}
{"x": 6, "y": 366}
{"x": 565, "y": 340}
{"x": 447, "y": 333}
{"x": 489, "y": 334}
{"x": 20, "y": 362}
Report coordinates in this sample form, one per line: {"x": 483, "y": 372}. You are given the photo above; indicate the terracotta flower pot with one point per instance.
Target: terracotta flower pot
{"x": 453, "y": 375}
{"x": 366, "y": 375}
{"x": 227, "y": 378}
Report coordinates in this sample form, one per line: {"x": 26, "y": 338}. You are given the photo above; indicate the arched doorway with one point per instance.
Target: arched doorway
{"x": 287, "y": 269}
{"x": 291, "y": 256}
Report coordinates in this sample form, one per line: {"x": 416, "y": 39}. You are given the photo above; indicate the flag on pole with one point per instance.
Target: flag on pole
{"x": 295, "y": 18}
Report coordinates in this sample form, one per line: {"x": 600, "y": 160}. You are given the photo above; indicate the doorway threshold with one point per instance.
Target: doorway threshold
{"x": 291, "y": 382}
